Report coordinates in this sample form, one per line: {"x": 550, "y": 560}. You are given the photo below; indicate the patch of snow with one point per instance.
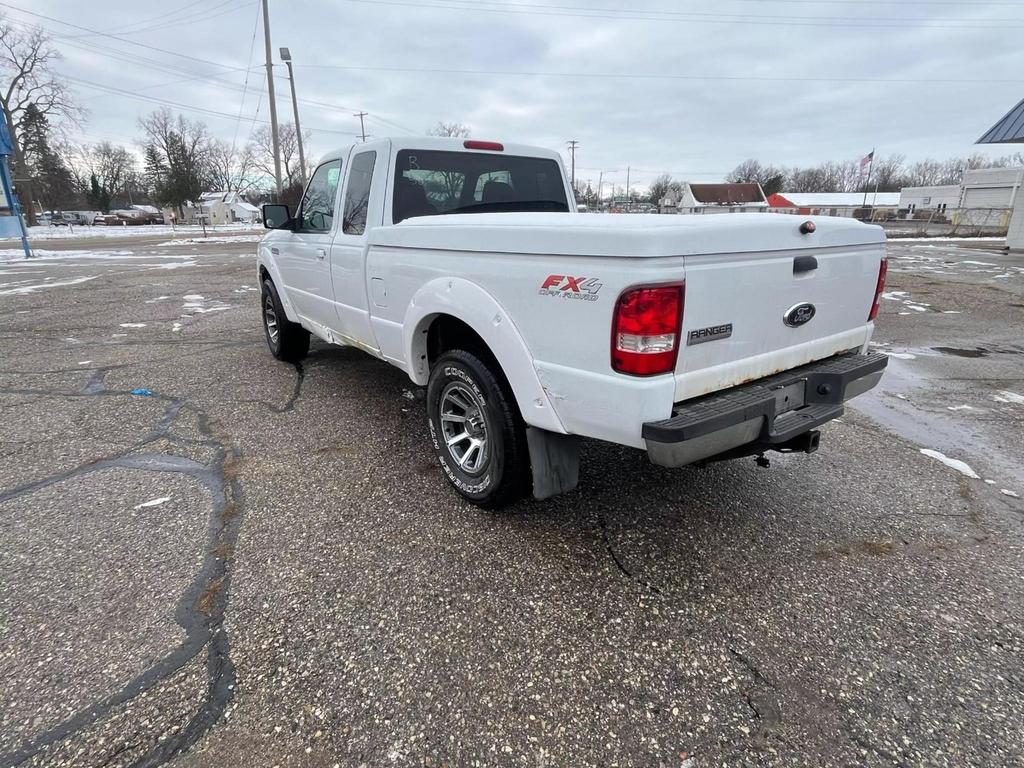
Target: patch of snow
{"x": 962, "y": 467}
{"x": 133, "y": 325}
{"x": 990, "y": 482}
{"x": 84, "y": 362}
{"x": 144, "y": 230}
{"x": 215, "y": 239}
{"x": 158, "y": 298}
{"x": 153, "y": 502}
{"x": 26, "y": 289}
{"x": 1009, "y": 493}
{"x": 980, "y": 263}
{"x": 1009, "y": 397}
{"x": 193, "y": 297}
{"x": 901, "y": 355}
{"x": 951, "y": 312}
{"x": 959, "y": 408}
{"x": 176, "y": 327}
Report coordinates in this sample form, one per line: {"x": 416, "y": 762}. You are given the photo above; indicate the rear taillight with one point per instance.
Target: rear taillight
{"x": 883, "y": 270}
{"x": 645, "y": 330}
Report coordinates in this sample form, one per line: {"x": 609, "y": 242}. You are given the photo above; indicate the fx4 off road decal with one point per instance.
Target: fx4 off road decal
{"x": 567, "y": 287}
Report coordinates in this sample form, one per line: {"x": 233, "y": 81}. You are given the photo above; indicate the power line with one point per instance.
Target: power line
{"x": 788, "y": 80}
{"x": 114, "y": 37}
{"x": 135, "y": 58}
{"x": 182, "y": 106}
{"x": 701, "y": 18}
{"x": 124, "y": 28}
{"x": 245, "y": 85}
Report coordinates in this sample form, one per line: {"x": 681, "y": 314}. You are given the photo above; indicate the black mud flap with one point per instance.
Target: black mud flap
{"x": 554, "y": 461}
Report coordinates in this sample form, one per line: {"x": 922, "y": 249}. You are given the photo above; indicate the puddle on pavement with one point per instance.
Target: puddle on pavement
{"x": 978, "y": 351}
{"x": 958, "y": 352}
{"x": 891, "y": 404}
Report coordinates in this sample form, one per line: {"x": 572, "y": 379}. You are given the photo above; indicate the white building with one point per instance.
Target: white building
{"x": 846, "y": 204}
{"x": 227, "y": 208}
{"x": 933, "y": 199}
{"x": 721, "y": 198}
{"x": 991, "y": 187}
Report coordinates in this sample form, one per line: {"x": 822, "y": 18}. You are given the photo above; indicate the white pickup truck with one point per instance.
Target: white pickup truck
{"x": 465, "y": 264}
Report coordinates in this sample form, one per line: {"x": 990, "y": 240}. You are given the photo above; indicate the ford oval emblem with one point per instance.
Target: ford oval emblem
{"x": 798, "y": 315}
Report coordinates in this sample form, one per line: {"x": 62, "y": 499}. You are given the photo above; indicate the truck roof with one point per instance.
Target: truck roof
{"x": 440, "y": 143}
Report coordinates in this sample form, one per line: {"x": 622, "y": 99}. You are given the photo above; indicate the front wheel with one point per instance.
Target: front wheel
{"x": 476, "y": 430}
{"x": 288, "y": 341}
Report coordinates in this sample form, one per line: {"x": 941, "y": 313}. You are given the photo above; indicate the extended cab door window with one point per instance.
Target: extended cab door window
{"x": 316, "y": 213}
{"x": 357, "y": 194}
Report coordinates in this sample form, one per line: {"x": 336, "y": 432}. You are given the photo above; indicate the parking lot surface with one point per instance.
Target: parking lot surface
{"x": 208, "y": 557}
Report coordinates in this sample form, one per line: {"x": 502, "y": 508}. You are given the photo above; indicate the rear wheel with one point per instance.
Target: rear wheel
{"x": 476, "y": 430}
{"x": 288, "y": 341}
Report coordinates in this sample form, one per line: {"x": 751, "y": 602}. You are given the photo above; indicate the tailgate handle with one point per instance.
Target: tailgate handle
{"x": 804, "y": 264}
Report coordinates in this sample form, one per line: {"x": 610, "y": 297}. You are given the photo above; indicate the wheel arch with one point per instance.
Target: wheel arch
{"x": 266, "y": 268}
{"x": 449, "y": 312}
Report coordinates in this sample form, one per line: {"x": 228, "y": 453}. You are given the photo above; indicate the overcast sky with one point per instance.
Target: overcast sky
{"x": 687, "y": 87}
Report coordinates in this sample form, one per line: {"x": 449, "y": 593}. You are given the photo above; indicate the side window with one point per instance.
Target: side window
{"x": 317, "y": 212}
{"x": 357, "y": 194}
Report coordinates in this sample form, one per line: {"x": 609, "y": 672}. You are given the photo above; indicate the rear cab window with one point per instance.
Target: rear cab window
{"x": 432, "y": 182}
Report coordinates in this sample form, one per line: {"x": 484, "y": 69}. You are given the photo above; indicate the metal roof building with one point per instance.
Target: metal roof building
{"x": 1009, "y": 130}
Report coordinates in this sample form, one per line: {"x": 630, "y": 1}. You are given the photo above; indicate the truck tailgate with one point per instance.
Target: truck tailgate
{"x": 750, "y": 315}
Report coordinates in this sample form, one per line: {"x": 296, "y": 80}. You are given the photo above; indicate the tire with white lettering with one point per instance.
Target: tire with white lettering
{"x": 476, "y": 429}
{"x": 288, "y": 341}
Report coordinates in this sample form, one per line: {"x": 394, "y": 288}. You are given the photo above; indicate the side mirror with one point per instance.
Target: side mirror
{"x": 277, "y": 217}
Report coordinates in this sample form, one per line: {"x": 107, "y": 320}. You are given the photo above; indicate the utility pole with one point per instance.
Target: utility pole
{"x": 627, "y": 185}
{"x": 572, "y": 153}
{"x": 600, "y": 183}
{"x": 273, "y": 101}
{"x": 362, "y": 125}
{"x": 286, "y": 56}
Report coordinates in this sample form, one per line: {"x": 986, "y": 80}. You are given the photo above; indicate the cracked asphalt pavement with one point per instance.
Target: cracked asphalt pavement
{"x": 209, "y": 558}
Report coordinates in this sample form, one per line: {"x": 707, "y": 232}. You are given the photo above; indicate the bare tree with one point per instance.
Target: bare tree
{"x": 770, "y": 178}
{"x": 231, "y": 168}
{"x": 455, "y": 130}
{"x": 261, "y": 151}
{"x": 103, "y": 172}
{"x": 27, "y": 78}
{"x": 662, "y": 187}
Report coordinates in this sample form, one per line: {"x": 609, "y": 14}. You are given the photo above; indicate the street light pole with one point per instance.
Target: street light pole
{"x": 275, "y": 136}
{"x": 286, "y": 57}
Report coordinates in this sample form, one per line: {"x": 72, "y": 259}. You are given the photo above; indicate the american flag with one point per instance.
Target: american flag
{"x": 867, "y": 159}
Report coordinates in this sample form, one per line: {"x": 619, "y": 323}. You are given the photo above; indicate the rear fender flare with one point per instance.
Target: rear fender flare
{"x": 468, "y": 302}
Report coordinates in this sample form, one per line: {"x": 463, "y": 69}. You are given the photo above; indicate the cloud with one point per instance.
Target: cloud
{"x": 693, "y": 91}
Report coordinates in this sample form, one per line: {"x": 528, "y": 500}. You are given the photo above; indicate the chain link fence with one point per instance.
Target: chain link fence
{"x": 951, "y": 222}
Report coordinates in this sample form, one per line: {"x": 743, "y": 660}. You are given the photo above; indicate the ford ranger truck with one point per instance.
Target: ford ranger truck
{"x": 465, "y": 264}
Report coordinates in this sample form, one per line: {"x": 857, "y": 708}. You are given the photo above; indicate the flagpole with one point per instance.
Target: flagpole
{"x": 867, "y": 183}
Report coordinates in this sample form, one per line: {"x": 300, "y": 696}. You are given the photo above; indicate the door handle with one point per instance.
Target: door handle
{"x": 275, "y": 251}
{"x": 321, "y": 253}
{"x": 804, "y": 264}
